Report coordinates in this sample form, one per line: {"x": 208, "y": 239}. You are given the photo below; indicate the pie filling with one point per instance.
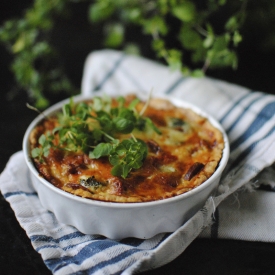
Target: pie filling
{"x": 183, "y": 149}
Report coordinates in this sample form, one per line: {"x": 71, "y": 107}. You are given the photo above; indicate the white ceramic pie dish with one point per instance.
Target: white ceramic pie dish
{"x": 121, "y": 220}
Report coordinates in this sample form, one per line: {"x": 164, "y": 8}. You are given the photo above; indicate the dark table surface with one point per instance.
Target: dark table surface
{"x": 203, "y": 256}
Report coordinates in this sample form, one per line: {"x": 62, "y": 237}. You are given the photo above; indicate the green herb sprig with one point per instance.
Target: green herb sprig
{"x": 46, "y": 143}
{"x": 124, "y": 156}
{"x": 93, "y": 128}
{"x": 190, "y": 36}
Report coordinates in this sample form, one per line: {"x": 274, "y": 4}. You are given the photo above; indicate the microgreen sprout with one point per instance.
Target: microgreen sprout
{"x": 46, "y": 143}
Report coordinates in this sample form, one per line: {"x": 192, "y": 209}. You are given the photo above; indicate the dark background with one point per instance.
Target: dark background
{"x": 204, "y": 256}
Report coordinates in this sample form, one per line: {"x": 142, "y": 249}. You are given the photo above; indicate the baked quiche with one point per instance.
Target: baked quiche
{"x": 124, "y": 149}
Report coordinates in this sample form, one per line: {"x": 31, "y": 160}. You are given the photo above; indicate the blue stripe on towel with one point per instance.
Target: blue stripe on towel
{"x": 235, "y": 104}
{"x": 69, "y": 246}
{"x": 229, "y": 129}
{"x": 266, "y": 114}
{"x": 137, "y": 242}
{"x": 111, "y": 261}
{"x": 44, "y": 238}
{"x": 110, "y": 73}
{"x": 249, "y": 149}
{"x": 56, "y": 246}
{"x": 54, "y": 243}
{"x": 86, "y": 252}
{"x": 10, "y": 194}
{"x": 174, "y": 85}
{"x": 132, "y": 241}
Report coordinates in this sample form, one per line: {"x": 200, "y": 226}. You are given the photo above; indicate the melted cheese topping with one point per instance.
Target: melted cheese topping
{"x": 182, "y": 157}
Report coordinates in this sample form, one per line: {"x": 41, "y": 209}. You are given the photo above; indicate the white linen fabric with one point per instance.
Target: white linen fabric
{"x": 242, "y": 208}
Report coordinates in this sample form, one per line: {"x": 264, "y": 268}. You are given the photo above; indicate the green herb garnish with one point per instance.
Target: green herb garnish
{"x": 46, "y": 144}
{"x": 93, "y": 128}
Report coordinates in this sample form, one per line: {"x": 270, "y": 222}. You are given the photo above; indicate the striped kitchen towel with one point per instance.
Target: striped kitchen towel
{"x": 238, "y": 211}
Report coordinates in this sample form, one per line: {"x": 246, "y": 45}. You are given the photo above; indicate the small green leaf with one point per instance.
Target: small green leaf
{"x": 125, "y": 170}
{"x": 158, "y": 44}
{"x": 153, "y": 126}
{"x": 114, "y": 35}
{"x": 209, "y": 40}
{"x": 121, "y": 170}
{"x": 132, "y": 14}
{"x": 123, "y": 125}
{"x": 121, "y": 149}
{"x": 100, "y": 11}
{"x": 127, "y": 114}
{"x": 117, "y": 170}
{"x": 46, "y": 151}
{"x": 121, "y": 101}
{"x": 186, "y": 11}
{"x": 114, "y": 159}
{"x": 97, "y": 134}
{"x": 140, "y": 123}
{"x": 232, "y": 24}
{"x": 41, "y": 102}
{"x": 237, "y": 38}
{"x": 67, "y": 110}
{"x": 133, "y": 103}
{"x": 36, "y": 152}
{"x": 19, "y": 45}
{"x": 174, "y": 59}
{"x": 42, "y": 140}
{"x": 220, "y": 43}
{"x": 189, "y": 38}
{"x": 97, "y": 104}
{"x": 101, "y": 150}
{"x": 155, "y": 25}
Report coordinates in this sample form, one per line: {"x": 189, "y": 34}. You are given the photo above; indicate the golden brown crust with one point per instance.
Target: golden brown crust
{"x": 185, "y": 155}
